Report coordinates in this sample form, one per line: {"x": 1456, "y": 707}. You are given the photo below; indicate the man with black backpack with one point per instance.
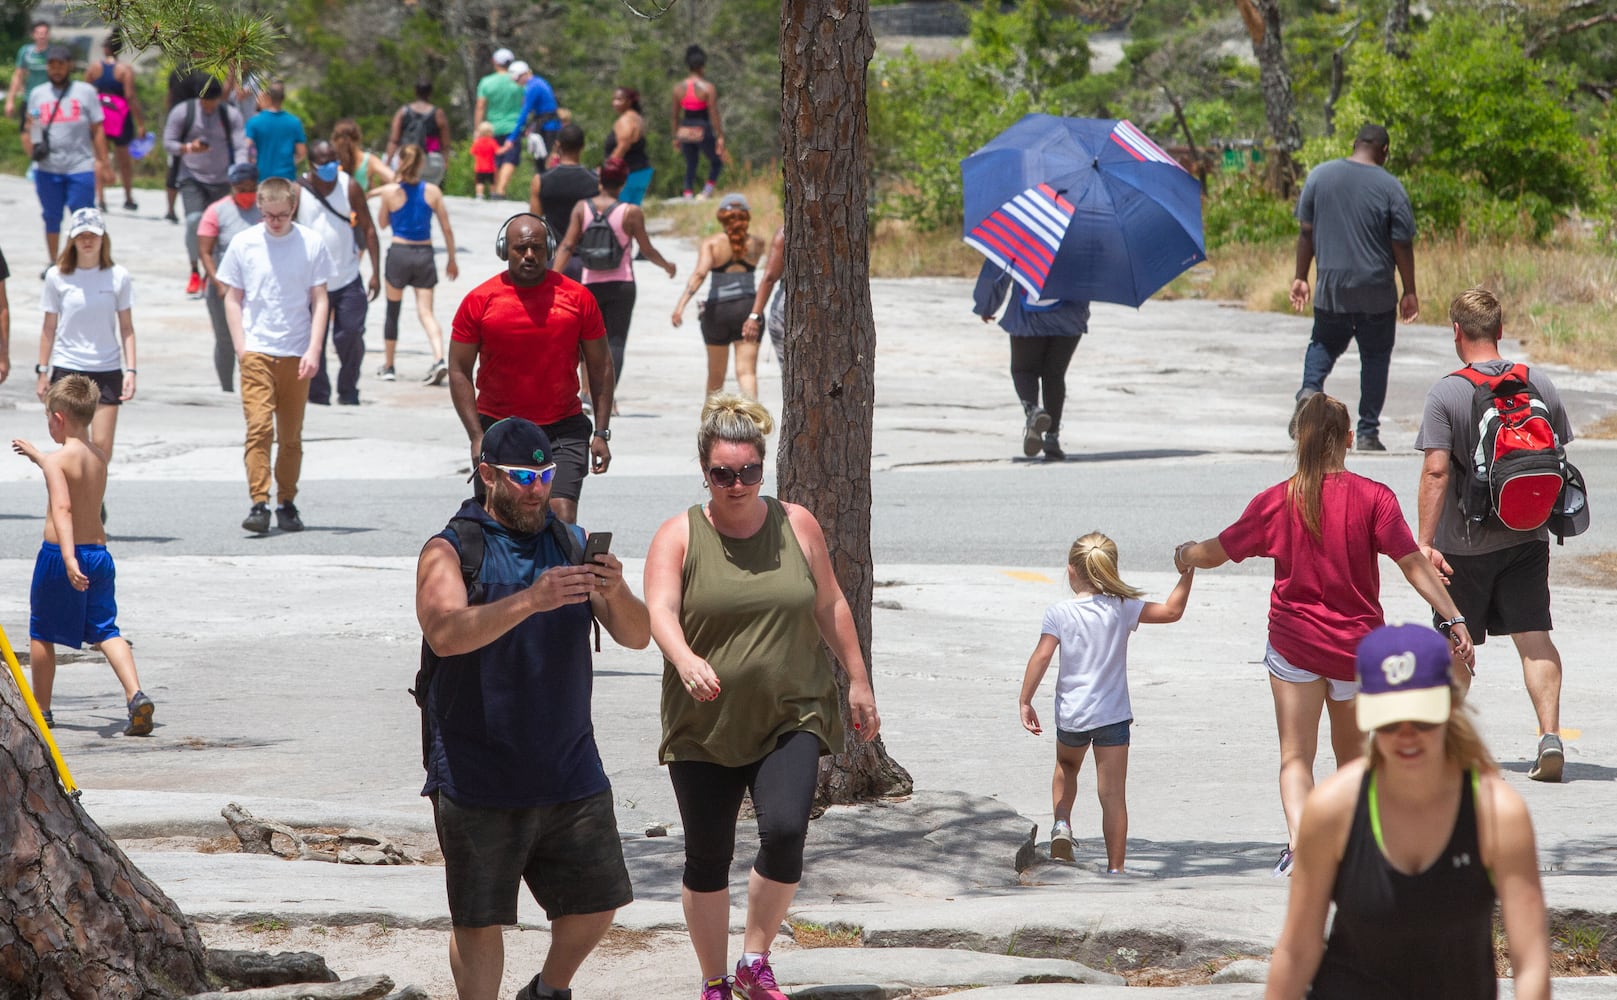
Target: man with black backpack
{"x": 1492, "y": 487}
{"x": 207, "y": 135}
{"x": 518, "y": 792}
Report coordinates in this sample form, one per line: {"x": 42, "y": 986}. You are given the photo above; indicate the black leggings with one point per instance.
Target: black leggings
{"x": 1042, "y": 359}
{"x": 694, "y": 151}
{"x": 709, "y": 795}
{"x": 616, "y": 300}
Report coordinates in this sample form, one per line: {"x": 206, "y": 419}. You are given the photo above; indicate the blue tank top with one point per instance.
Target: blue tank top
{"x": 413, "y": 220}
{"x": 108, "y": 82}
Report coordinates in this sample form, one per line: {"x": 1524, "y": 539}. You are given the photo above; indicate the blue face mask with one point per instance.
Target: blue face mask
{"x": 327, "y": 171}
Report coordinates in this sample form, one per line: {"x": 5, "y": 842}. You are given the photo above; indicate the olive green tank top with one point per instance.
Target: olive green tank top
{"x": 748, "y": 609}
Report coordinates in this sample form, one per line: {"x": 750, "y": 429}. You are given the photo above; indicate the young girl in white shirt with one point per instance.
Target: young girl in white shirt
{"x": 1092, "y": 688}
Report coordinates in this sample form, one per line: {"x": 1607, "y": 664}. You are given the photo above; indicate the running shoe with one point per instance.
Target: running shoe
{"x": 708, "y": 190}
{"x": 717, "y": 988}
{"x": 1551, "y": 759}
{"x": 535, "y": 990}
{"x": 1061, "y": 841}
{"x": 130, "y": 206}
{"x": 286, "y": 517}
{"x": 386, "y": 374}
{"x": 170, "y": 216}
{"x": 140, "y": 715}
{"x": 1368, "y": 442}
{"x": 756, "y": 981}
{"x": 193, "y": 287}
{"x": 1052, "y": 448}
{"x": 257, "y": 519}
{"x": 688, "y": 194}
{"x": 50, "y": 720}
{"x": 1038, "y": 422}
{"x": 1283, "y": 866}
{"x": 437, "y": 373}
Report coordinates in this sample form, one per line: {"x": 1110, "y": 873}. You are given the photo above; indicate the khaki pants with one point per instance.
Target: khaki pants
{"x": 273, "y": 399}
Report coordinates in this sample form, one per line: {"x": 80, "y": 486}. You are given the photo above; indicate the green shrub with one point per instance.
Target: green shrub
{"x": 1240, "y": 209}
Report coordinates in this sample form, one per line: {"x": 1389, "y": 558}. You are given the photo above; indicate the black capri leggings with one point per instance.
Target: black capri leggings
{"x": 1037, "y": 361}
{"x": 709, "y": 795}
{"x": 616, "y": 299}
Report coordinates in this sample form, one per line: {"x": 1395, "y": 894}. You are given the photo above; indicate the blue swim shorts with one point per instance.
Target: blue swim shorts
{"x": 1114, "y": 735}
{"x": 67, "y": 617}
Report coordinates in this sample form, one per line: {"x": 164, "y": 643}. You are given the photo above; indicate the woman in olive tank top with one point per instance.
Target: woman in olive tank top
{"x": 1412, "y": 842}
{"x": 742, "y": 595}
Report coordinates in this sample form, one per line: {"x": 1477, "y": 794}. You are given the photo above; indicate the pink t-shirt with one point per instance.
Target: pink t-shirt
{"x": 625, "y": 269}
{"x": 1327, "y": 592}
{"x": 209, "y": 225}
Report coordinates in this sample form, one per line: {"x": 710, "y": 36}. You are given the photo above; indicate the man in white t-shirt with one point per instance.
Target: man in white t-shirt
{"x": 275, "y": 276}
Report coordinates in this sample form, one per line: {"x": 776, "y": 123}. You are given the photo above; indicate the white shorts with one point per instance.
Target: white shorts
{"x": 1281, "y": 668}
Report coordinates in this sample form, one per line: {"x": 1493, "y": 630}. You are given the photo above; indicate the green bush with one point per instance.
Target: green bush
{"x": 1240, "y": 209}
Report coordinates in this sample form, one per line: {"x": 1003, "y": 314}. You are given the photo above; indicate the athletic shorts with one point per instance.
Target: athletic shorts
{"x": 59, "y": 192}
{"x": 410, "y": 265}
{"x": 483, "y": 178}
{"x": 569, "y": 854}
{"x": 110, "y": 383}
{"x": 510, "y": 157}
{"x": 1282, "y": 668}
{"x": 59, "y": 614}
{"x": 570, "y": 450}
{"x": 722, "y": 321}
{"x": 1504, "y": 592}
{"x": 1114, "y": 735}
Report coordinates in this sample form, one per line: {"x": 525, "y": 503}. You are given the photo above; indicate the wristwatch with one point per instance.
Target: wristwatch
{"x": 42, "y": 369}
{"x": 1448, "y": 625}
{"x": 129, "y": 371}
{"x": 605, "y": 433}
{"x": 756, "y": 317}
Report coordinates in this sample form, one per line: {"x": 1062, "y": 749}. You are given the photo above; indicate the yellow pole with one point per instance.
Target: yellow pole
{"x": 39, "y": 720}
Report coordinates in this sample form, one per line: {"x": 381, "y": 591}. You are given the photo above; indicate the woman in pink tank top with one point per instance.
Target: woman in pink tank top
{"x": 695, "y": 123}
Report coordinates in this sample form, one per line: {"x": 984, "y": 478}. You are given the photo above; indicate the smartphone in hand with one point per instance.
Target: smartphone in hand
{"x": 599, "y": 543}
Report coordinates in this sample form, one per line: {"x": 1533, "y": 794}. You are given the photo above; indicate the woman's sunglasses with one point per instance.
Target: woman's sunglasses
{"x": 725, "y": 477}
{"x": 526, "y": 477}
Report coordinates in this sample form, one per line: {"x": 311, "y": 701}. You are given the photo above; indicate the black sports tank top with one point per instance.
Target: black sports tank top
{"x": 1410, "y": 937}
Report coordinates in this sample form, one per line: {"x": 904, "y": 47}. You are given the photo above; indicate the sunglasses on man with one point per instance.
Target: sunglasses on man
{"x": 527, "y": 477}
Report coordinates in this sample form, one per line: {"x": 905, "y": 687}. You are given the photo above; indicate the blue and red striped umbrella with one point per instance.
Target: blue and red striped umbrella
{"x": 1082, "y": 209}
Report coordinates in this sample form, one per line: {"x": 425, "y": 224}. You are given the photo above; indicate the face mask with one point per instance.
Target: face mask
{"x": 245, "y": 199}
{"x": 327, "y": 171}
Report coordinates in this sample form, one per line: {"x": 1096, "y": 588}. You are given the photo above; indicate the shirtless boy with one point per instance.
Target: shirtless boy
{"x": 71, "y": 601}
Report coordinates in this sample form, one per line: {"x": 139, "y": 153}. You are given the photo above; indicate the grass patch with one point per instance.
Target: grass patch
{"x": 812, "y": 935}
{"x": 1605, "y": 427}
{"x": 267, "y": 925}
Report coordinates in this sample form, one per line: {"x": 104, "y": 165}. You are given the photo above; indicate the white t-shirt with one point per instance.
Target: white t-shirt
{"x": 337, "y": 231}
{"x": 275, "y": 274}
{"x": 87, "y": 304}
{"x": 1092, "y": 683}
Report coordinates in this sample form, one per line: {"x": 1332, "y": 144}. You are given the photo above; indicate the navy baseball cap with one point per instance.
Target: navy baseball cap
{"x": 1403, "y": 676}
{"x": 242, "y": 172}
{"x": 515, "y": 441}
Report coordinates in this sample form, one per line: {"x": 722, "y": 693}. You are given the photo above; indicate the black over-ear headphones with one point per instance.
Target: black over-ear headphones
{"x": 501, "y": 245}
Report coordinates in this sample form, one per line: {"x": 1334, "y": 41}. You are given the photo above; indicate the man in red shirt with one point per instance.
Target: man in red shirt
{"x": 523, "y": 331}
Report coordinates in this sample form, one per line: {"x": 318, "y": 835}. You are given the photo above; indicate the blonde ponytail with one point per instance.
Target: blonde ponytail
{"x": 1094, "y": 556}
{"x": 1322, "y": 440}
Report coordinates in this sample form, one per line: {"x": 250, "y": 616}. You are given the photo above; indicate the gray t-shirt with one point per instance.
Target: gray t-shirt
{"x": 1446, "y": 425}
{"x": 1358, "y": 212}
{"x": 211, "y": 165}
{"x": 70, "y": 117}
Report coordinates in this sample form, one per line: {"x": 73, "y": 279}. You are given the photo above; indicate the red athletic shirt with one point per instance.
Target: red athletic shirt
{"x": 1327, "y": 592}
{"x": 527, "y": 345}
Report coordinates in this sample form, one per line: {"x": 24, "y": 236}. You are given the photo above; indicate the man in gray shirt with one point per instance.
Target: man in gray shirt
{"x": 64, "y": 139}
{"x": 1357, "y": 221}
{"x": 1499, "y": 578}
{"x": 206, "y": 133}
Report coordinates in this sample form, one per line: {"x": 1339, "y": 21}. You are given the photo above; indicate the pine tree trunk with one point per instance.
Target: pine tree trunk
{"x": 829, "y": 387}
{"x": 1262, "y": 19}
{"x": 77, "y": 919}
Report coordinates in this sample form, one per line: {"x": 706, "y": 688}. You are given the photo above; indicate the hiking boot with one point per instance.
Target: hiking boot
{"x": 756, "y": 981}
{"x": 1302, "y": 397}
{"x": 1038, "y": 422}
{"x": 1368, "y": 442}
{"x": 437, "y": 373}
{"x": 286, "y": 517}
{"x": 193, "y": 286}
{"x": 717, "y": 988}
{"x": 257, "y": 519}
{"x": 386, "y": 374}
{"x": 1061, "y": 841}
{"x": 1551, "y": 759}
{"x": 1052, "y": 448}
{"x": 535, "y": 990}
{"x": 140, "y": 715}
{"x": 1282, "y": 867}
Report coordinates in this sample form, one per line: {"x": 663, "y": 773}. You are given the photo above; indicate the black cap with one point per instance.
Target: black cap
{"x": 515, "y": 441}
{"x": 58, "y": 53}
{"x": 1374, "y": 135}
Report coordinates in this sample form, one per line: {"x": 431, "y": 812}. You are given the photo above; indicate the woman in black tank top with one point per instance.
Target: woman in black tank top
{"x": 1412, "y": 843}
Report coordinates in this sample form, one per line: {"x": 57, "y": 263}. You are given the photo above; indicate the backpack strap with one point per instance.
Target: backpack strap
{"x": 469, "y": 534}
{"x": 1476, "y": 378}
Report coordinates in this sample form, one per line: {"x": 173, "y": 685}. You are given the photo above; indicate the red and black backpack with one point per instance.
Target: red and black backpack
{"x": 1518, "y": 469}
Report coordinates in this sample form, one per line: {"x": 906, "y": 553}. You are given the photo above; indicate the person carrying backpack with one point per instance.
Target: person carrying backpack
{"x": 598, "y": 234}
{"x": 1499, "y": 576}
{"x": 420, "y": 123}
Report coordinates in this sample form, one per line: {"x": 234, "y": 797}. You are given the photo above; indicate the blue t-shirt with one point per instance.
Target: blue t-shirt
{"x": 511, "y": 724}
{"x": 276, "y": 134}
{"x": 538, "y": 99}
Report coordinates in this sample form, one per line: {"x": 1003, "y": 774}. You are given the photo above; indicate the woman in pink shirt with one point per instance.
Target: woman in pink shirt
{"x": 1325, "y": 529}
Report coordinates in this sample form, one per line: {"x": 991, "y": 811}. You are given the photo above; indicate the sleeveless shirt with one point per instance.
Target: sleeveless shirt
{"x": 747, "y": 608}
{"x": 1410, "y": 937}
{"x": 413, "y": 219}
{"x": 724, "y": 285}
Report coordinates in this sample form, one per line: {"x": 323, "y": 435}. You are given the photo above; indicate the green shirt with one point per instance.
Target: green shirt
{"x": 33, "y": 60}
{"x": 504, "y": 97}
{"x": 747, "y": 607}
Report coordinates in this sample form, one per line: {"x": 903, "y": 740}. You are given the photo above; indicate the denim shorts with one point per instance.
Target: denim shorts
{"x": 1282, "y": 668}
{"x": 1114, "y": 735}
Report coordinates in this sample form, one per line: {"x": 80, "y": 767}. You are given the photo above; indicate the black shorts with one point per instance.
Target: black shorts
{"x": 722, "y": 321}
{"x": 569, "y": 854}
{"x": 410, "y": 265}
{"x": 510, "y": 157}
{"x": 172, "y": 179}
{"x": 570, "y": 448}
{"x": 1504, "y": 592}
{"x": 110, "y": 383}
{"x": 482, "y": 178}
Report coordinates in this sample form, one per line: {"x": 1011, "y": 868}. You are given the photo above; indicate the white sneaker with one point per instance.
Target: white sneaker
{"x": 386, "y": 374}
{"x": 1061, "y": 841}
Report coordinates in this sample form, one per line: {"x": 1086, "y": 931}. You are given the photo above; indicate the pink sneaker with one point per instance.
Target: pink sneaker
{"x": 756, "y": 981}
{"x": 716, "y": 989}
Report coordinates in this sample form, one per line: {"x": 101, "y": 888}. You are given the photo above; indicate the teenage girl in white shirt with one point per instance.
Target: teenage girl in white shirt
{"x": 1092, "y": 688}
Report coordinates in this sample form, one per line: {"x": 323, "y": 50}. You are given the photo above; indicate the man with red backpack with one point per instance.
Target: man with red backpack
{"x": 1490, "y": 490}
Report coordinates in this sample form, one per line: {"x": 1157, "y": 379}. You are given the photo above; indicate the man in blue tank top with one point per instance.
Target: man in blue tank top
{"x": 516, "y": 782}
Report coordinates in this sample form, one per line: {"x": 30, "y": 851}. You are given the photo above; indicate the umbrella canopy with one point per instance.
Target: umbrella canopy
{"x": 1082, "y": 208}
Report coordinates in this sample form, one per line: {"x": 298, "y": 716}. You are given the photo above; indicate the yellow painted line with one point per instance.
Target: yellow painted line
{"x": 1567, "y": 734}
{"x": 1027, "y": 576}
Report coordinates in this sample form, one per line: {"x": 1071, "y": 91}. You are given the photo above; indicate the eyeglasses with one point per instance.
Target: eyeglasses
{"x": 275, "y": 216}
{"x": 1420, "y": 727}
{"x": 526, "y": 477}
{"x": 725, "y": 477}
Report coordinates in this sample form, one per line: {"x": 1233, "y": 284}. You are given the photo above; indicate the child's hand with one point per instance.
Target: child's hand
{"x": 26, "y": 450}
{"x": 76, "y": 577}
{"x": 1030, "y": 720}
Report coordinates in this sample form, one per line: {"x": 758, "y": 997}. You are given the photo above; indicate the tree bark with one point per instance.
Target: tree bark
{"x": 1262, "y": 18}
{"x": 1395, "y": 27}
{"x": 829, "y": 370}
{"x": 77, "y": 919}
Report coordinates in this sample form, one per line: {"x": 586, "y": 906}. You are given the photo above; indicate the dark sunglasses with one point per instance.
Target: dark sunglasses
{"x": 725, "y": 477}
{"x": 526, "y": 477}
{"x": 1420, "y": 727}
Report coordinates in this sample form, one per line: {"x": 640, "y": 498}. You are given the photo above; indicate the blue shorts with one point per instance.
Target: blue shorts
{"x": 56, "y": 191}
{"x": 1114, "y": 735}
{"x": 66, "y": 617}
{"x": 510, "y": 157}
{"x": 634, "y": 189}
